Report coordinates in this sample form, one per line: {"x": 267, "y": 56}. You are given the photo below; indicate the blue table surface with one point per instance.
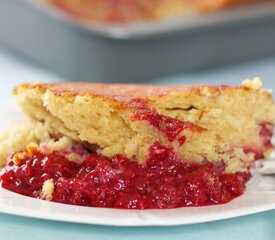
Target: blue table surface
{"x": 258, "y": 226}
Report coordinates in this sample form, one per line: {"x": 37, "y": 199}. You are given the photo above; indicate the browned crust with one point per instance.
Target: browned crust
{"x": 123, "y": 96}
{"x": 126, "y": 92}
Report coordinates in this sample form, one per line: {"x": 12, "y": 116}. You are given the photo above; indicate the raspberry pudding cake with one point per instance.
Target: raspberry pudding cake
{"x": 136, "y": 146}
{"x": 124, "y": 11}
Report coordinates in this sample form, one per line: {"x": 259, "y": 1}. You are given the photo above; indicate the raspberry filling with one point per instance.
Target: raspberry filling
{"x": 266, "y": 133}
{"x": 170, "y": 127}
{"x": 163, "y": 182}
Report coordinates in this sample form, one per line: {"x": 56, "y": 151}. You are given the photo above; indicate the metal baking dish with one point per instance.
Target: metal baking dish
{"x": 135, "y": 52}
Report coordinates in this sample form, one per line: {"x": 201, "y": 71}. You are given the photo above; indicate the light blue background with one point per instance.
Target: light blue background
{"x": 258, "y": 226}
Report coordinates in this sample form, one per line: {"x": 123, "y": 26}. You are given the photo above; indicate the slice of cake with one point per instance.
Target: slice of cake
{"x": 137, "y": 146}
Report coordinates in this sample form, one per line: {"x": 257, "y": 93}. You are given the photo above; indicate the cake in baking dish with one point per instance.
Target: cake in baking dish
{"x": 138, "y": 10}
{"x": 136, "y": 146}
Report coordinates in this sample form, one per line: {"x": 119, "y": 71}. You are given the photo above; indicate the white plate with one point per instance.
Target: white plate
{"x": 259, "y": 197}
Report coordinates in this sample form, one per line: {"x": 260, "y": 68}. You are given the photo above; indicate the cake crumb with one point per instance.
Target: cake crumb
{"x": 52, "y": 145}
{"x": 31, "y": 148}
{"x": 255, "y": 83}
{"x": 74, "y": 157}
{"x": 19, "y": 156}
{"x": 48, "y": 189}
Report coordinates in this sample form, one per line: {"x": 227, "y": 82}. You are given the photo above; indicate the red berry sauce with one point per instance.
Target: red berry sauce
{"x": 170, "y": 127}
{"x": 163, "y": 182}
{"x": 266, "y": 133}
